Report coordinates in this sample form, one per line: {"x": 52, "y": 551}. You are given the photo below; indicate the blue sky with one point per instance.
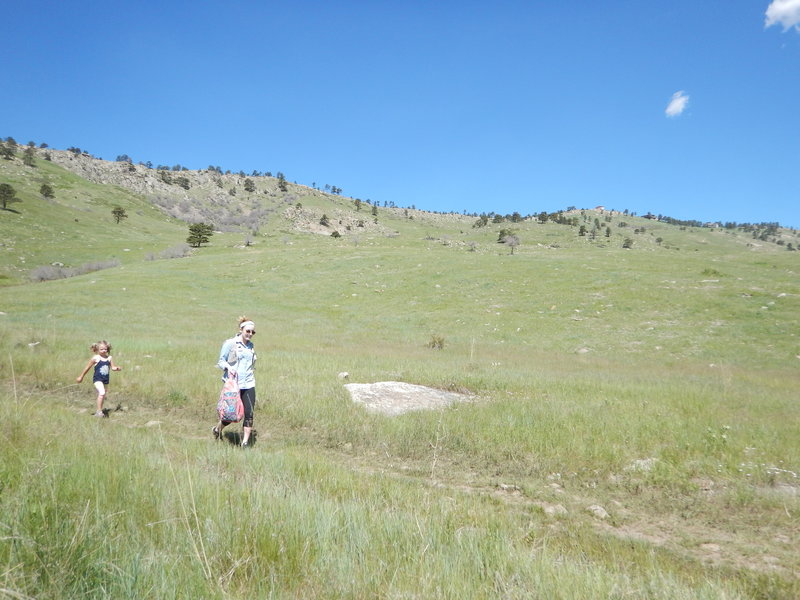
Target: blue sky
{"x": 687, "y": 108}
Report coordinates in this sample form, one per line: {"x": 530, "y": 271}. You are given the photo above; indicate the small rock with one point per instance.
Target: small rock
{"x": 508, "y": 487}
{"x": 643, "y": 464}
{"x": 598, "y": 511}
{"x": 552, "y": 510}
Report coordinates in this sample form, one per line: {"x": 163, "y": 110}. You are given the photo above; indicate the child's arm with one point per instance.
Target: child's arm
{"x": 86, "y": 370}
{"x": 113, "y": 366}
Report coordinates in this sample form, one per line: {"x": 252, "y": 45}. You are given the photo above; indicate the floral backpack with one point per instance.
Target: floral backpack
{"x": 229, "y": 406}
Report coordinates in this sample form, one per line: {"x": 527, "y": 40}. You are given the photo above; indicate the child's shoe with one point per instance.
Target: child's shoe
{"x": 99, "y": 413}
{"x": 216, "y": 433}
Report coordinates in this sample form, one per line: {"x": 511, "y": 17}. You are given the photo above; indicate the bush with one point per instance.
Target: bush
{"x": 51, "y": 272}
{"x": 436, "y": 342}
{"x": 178, "y": 251}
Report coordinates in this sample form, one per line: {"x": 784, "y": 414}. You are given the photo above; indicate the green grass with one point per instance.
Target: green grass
{"x": 584, "y": 360}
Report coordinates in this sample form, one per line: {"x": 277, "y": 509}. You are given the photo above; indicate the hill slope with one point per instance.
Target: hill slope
{"x": 159, "y": 202}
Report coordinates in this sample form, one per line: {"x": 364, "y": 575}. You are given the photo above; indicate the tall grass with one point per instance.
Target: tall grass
{"x": 113, "y": 512}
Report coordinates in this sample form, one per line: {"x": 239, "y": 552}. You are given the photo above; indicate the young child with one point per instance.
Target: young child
{"x": 103, "y": 365}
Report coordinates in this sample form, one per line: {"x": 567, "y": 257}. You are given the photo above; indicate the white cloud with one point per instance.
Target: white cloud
{"x": 677, "y": 104}
{"x": 785, "y": 12}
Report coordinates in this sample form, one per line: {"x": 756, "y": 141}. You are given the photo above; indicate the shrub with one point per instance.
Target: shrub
{"x": 51, "y": 272}
{"x": 178, "y": 251}
{"x": 436, "y": 342}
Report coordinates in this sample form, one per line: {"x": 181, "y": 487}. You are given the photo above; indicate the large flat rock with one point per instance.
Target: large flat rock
{"x": 395, "y": 398}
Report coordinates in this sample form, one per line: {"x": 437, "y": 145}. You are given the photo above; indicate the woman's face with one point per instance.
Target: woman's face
{"x": 247, "y": 333}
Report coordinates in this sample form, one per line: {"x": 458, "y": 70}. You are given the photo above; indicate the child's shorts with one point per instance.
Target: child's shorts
{"x": 101, "y": 389}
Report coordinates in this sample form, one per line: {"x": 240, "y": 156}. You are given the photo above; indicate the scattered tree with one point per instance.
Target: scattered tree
{"x": 249, "y": 186}
{"x": 504, "y": 233}
{"x": 47, "y": 191}
{"x": 8, "y": 195}
{"x": 199, "y": 233}
{"x": 6, "y": 151}
{"x": 482, "y": 221}
{"x": 324, "y": 221}
{"x": 512, "y": 241}
{"x": 119, "y": 214}
{"x": 28, "y": 157}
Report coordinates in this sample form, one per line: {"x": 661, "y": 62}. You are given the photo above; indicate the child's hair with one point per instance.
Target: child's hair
{"x": 96, "y": 345}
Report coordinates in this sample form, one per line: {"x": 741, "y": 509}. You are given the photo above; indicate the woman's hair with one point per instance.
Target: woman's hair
{"x": 97, "y": 345}
{"x": 242, "y": 319}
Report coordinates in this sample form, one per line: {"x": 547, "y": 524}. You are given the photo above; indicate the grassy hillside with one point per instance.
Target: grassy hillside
{"x": 633, "y": 429}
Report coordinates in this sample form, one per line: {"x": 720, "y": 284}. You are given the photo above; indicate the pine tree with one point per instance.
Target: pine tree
{"x": 47, "y": 191}
{"x": 199, "y": 233}
{"x": 7, "y": 195}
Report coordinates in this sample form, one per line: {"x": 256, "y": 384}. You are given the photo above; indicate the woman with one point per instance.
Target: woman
{"x": 238, "y": 357}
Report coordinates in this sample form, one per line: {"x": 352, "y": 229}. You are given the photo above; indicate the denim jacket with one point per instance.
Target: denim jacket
{"x": 240, "y": 357}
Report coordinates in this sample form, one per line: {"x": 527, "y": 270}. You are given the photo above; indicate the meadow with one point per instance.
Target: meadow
{"x": 632, "y": 429}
